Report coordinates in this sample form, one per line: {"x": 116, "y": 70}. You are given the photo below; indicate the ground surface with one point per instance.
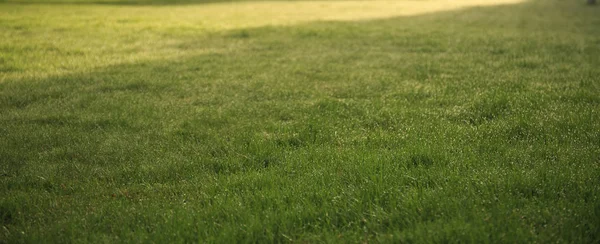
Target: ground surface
{"x": 337, "y": 121}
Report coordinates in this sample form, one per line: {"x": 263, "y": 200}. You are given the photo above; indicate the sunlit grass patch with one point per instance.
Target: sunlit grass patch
{"x": 55, "y": 38}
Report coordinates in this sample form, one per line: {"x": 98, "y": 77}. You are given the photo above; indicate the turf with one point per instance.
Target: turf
{"x": 300, "y": 121}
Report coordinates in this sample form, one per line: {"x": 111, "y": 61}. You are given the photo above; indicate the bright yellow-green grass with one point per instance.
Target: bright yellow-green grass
{"x": 110, "y": 34}
{"x": 427, "y": 121}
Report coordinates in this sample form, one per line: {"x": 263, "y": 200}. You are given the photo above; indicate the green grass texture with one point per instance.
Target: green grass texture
{"x": 154, "y": 121}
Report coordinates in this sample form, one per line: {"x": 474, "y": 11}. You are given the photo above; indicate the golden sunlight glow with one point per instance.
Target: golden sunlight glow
{"x": 152, "y": 32}
{"x": 255, "y": 14}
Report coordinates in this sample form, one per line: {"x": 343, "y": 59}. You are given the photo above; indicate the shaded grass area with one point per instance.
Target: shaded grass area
{"x": 466, "y": 126}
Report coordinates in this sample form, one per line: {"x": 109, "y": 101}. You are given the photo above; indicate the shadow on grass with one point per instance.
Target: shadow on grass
{"x": 392, "y": 58}
{"x": 309, "y": 82}
{"x": 293, "y": 87}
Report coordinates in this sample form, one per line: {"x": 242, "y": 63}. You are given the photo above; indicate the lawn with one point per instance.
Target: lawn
{"x": 219, "y": 121}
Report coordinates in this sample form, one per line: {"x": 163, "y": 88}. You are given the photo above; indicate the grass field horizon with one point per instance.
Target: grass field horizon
{"x": 299, "y": 121}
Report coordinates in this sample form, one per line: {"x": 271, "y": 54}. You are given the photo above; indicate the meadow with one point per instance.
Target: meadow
{"x": 434, "y": 121}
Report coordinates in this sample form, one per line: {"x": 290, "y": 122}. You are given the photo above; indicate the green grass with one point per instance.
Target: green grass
{"x": 324, "y": 121}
